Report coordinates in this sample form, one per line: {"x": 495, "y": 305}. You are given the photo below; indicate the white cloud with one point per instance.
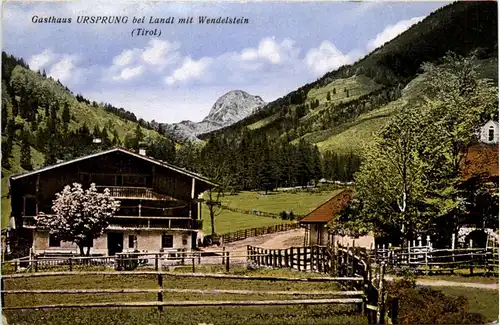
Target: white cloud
{"x": 39, "y": 61}
{"x": 129, "y": 73}
{"x": 392, "y": 31}
{"x": 161, "y": 53}
{"x": 269, "y": 50}
{"x": 326, "y": 58}
{"x": 154, "y": 57}
{"x": 189, "y": 70}
{"x": 124, "y": 58}
{"x": 62, "y": 70}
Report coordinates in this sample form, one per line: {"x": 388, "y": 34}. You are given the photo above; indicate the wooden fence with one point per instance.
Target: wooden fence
{"x": 127, "y": 261}
{"x": 341, "y": 297}
{"x": 349, "y": 263}
{"x": 253, "y": 232}
{"x": 426, "y": 260}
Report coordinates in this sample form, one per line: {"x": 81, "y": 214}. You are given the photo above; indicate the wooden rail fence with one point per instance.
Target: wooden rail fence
{"x": 256, "y": 212}
{"x": 426, "y": 260}
{"x": 349, "y": 263}
{"x": 342, "y": 297}
{"x": 253, "y": 232}
{"x": 126, "y": 261}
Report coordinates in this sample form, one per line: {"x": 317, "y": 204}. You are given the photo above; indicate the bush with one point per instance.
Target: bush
{"x": 287, "y": 215}
{"x": 429, "y": 306}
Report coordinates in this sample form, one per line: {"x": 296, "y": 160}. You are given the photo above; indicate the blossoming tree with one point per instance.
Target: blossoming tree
{"x": 80, "y": 215}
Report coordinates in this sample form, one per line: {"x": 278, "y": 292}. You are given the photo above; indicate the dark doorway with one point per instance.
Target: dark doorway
{"x": 115, "y": 243}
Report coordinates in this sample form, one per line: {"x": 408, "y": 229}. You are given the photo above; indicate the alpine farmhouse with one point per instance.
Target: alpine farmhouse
{"x": 159, "y": 210}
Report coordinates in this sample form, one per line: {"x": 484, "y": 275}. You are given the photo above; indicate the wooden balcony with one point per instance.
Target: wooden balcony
{"x": 143, "y": 193}
{"x": 140, "y": 223}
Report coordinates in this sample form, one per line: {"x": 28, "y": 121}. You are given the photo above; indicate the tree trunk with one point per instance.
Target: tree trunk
{"x": 80, "y": 246}
{"x": 212, "y": 221}
{"x": 88, "y": 251}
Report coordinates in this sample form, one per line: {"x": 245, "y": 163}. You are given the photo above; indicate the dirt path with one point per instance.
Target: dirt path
{"x": 290, "y": 238}
{"x": 278, "y": 240}
{"x": 446, "y": 283}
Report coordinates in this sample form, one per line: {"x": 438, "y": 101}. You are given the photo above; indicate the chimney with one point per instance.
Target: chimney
{"x": 142, "y": 151}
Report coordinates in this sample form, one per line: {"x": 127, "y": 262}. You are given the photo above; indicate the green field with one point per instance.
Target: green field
{"x": 354, "y": 136}
{"x": 301, "y": 203}
{"x": 356, "y": 85}
{"x": 480, "y": 300}
{"x": 320, "y": 314}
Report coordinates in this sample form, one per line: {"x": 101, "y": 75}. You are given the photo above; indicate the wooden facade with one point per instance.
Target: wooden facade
{"x": 156, "y": 198}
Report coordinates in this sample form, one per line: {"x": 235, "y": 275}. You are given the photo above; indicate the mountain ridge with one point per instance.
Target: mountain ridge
{"x": 230, "y": 108}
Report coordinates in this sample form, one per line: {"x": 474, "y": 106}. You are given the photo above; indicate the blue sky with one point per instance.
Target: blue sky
{"x": 180, "y": 74}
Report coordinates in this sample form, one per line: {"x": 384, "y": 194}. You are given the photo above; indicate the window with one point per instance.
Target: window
{"x": 134, "y": 180}
{"x": 131, "y": 241}
{"x": 167, "y": 241}
{"x": 53, "y": 241}
{"x": 491, "y": 134}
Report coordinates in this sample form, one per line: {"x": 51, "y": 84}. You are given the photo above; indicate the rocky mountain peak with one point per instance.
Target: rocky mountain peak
{"x": 234, "y": 106}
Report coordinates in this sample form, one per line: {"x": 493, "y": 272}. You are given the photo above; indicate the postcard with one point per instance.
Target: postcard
{"x": 258, "y": 162}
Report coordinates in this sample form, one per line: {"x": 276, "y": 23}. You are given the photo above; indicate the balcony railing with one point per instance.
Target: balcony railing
{"x": 135, "y": 193}
{"x": 143, "y": 222}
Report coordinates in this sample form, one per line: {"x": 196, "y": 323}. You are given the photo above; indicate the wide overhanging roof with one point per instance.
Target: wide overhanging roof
{"x": 146, "y": 158}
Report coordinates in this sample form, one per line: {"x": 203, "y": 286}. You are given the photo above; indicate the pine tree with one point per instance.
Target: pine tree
{"x": 138, "y": 134}
{"x": 4, "y": 116}
{"x": 50, "y": 154}
{"x": 25, "y": 151}
{"x": 66, "y": 117}
{"x": 6, "y": 153}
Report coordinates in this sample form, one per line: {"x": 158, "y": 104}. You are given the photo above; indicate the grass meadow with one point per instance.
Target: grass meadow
{"x": 312, "y": 314}
{"x": 301, "y": 203}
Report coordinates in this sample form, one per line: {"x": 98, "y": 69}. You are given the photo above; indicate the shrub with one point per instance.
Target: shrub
{"x": 429, "y": 306}
{"x": 287, "y": 215}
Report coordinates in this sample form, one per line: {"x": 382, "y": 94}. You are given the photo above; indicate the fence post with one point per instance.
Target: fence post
{"x": 156, "y": 262}
{"x": 287, "y": 264}
{"x": 334, "y": 260}
{"x": 160, "y": 292}
{"x": 291, "y": 257}
{"x": 70, "y": 264}
{"x": 408, "y": 242}
{"x": 471, "y": 258}
{"x": 227, "y": 261}
{"x": 354, "y": 260}
{"x": 193, "y": 264}
{"x": 298, "y": 258}
{"x": 280, "y": 259}
{"x": 36, "y": 264}
{"x": 380, "y": 300}
{"x": 2, "y": 287}
{"x": 223, "y": 254}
